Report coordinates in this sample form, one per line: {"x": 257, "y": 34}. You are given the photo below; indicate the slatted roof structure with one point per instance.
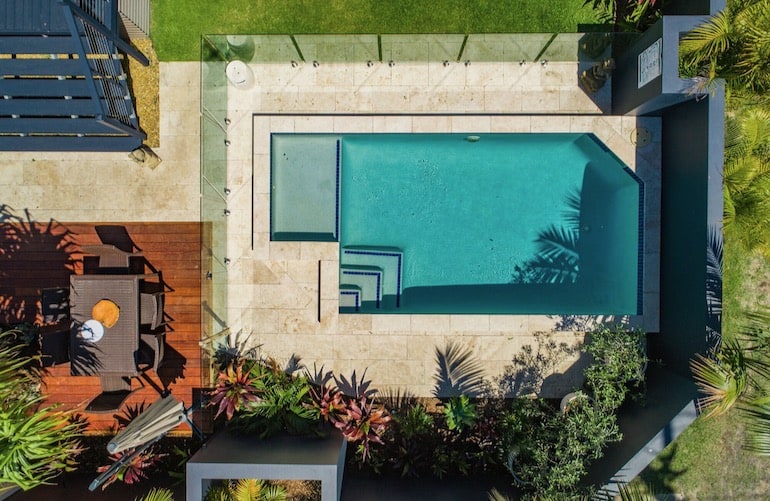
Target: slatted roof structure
{"x": 62, "y": 82}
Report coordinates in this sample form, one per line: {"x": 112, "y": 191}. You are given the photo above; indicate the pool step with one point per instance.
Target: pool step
{"x": 367, "y": 279}
{"x": 350, "y": 297}
{"x": 388, "y": 259}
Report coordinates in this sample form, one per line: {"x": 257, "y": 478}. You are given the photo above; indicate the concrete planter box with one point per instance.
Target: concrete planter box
{"x": 283, "y": 457}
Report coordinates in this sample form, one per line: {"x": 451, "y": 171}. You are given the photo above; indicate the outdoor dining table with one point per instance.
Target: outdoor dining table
{"x": 112, "y": 350}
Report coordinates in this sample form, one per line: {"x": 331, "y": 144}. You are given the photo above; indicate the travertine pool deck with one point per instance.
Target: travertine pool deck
{"x": 274, "y": 290}
{"x": 273, "y": 287}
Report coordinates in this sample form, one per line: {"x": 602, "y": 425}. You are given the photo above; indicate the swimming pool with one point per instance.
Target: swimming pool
{"x": 457, "y": 223}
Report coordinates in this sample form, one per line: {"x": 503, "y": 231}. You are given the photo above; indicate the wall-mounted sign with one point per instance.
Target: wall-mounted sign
{"x": 650, "y": 63}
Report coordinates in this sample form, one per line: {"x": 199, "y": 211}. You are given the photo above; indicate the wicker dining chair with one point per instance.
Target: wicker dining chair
{"x": 110, "y": 256}
{"x": 151, "y": 309}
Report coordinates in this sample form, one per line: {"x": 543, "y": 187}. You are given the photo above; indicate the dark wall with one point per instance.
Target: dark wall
{"x": 626, "y": 96}
{"x": 684, "y": 228}
{"x": 686, "y": 7}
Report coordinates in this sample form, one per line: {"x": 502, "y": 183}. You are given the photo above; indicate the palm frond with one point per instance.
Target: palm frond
{"x": 721, "y": 383}
{"x": 458, "y": 372}
{"x": 709, "y": 39}
{"x": 246, "y": 489}
{"x": 158, "y": 494}
{"x": 755, "y": 129}
{"x": 636, "y": 492}
{"x": 758, "y": 429}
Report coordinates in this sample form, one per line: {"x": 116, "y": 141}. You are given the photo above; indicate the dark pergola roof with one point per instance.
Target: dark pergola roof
{"x": 62, "y": 83}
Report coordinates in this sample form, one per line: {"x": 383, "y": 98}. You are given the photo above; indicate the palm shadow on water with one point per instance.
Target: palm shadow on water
{"x": 33, "y": 256}
{"x": 557, "y": 259}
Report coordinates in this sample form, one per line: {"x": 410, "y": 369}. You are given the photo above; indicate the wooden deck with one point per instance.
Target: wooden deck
{"x": 38, "y": 256}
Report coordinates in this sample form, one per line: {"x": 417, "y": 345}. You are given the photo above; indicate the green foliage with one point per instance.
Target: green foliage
{"x": 627, "y": 15}
{"x": 747, "y": 179}
{"x": 157, "y": 494}
{"x": 284, "y": 404}
{"x": 619, "y": 363}
{"x": 734, "y": 45}
{"x": 460, "y": 413}
{"x": 550, "y": 451}
{"x": 245, "y": 490}
{"x": 36, "y": 443}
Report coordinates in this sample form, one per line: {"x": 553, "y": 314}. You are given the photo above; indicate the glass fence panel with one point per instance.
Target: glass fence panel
{"x": 338, "y": 48}
{"x": 507, "y": 47}
{"x": 416, "y": 48}
{"x": 214, "y": 57}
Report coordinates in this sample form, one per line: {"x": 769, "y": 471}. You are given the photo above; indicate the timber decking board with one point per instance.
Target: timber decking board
{"x": 172, "y": 248}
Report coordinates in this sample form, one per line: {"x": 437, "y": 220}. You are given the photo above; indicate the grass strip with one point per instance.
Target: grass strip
{"x": 177, "y": 25}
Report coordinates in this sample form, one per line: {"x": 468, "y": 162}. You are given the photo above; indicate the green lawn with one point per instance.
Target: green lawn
{"x": 177, "y": 25}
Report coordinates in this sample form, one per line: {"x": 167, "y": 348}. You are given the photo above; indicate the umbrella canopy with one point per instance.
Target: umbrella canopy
{"x": 162, "y": 416}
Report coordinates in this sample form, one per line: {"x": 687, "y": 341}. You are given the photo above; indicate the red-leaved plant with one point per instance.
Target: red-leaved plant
{"x": 235, "y": 389}
{"x": 350, "y": 406}
{"x": 135, "y": 469}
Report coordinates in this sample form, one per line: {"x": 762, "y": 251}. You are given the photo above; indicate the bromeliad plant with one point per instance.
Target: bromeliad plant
{"x": 135, "y": 469}
{"x": 351, "y": 407}
{"x": 235, "y": 389}
{"x": 259, "y": 397}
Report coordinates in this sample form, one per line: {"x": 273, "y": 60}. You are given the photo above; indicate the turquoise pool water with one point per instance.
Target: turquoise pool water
{"x": 489, "y": 223}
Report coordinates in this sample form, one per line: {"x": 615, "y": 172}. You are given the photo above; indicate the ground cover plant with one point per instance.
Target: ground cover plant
{"x": 37, "y": 442}
{"x": 470, "y": 430}
{"x": 177, "y": 25}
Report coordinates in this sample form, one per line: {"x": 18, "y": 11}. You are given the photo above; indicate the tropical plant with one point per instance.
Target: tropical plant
{"x": 627, "y": 15}
{"x": 284, "y": 404}
{"x": 135, "y": 468}
{"x": 157, "y": 494}
{"x": 620, "y": 362}
{"x": 245, "y": 490}
{"x": 37, "y": 443}
{"x": 460, "y": 413}
{"x": 549, "y": 451}
{"x": 235, "y": 390}
{"x": 734, "y": 45}
{"x": 737, "y": 375}
{"x": 350, "y": 405}
{"x": 747, "y": 179}
{"x": 363, "y": 423}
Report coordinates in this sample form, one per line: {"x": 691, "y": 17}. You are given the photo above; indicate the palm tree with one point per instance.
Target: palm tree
{"x": 734, "y": 45}
{"x": 738, "y": 377}
{"x": 747, "y": 178}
